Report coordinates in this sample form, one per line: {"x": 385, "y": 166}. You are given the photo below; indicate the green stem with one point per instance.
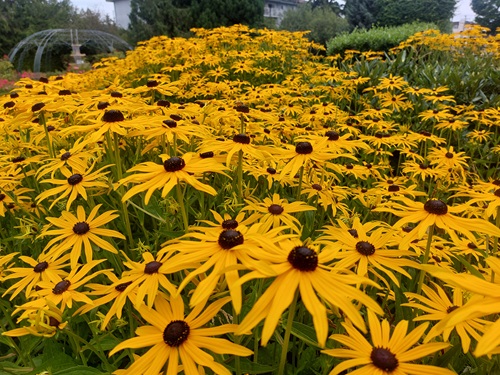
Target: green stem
{"x": 41, "y": 118}
{"x": 288, "y": 331}
{"x": 299, "y": 188}
{"x": 180, "y": 200}
{"x": 240, "y": 176}
{"x": 426, "y": 258}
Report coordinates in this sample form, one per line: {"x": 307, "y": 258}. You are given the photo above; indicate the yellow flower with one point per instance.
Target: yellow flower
{"x": 301, "y": 268}
{"x": 74, "y": 185}
{"x": 434, "y": 212}
{"x": 385, "y": 354}
{"x": 80, "y": 231}
{"x": 272, "y": 213}
{"x": 176, "y": 338}
{"x": 152, "y": 176}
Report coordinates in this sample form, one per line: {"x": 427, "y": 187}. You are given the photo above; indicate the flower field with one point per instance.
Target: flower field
{"x": 238, "y": 203}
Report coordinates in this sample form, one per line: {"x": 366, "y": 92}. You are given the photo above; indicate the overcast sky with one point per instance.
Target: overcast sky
{"x": 463, "y": 9}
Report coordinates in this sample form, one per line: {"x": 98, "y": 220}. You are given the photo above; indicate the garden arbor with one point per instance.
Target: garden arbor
{"x": 48, "y": 48}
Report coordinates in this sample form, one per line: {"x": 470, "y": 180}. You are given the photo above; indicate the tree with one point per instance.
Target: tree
{"x": 487, "y": 13}
{"x": 216, "y": 13}
{"x": 334, "y": 5}
{"x": 323, "y": 23}
{"x": 399, "y": 12}
{"x": 361, "y": 13}
{"x": 149, "y": 18}
{"x": 21, "y": 18}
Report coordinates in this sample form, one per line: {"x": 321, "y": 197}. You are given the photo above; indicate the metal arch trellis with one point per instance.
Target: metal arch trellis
{"x": 42, "y": 41}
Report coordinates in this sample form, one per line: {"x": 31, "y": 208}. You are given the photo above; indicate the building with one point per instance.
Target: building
{"x": 273, "y": 9}
{"x": 122, "y": 11}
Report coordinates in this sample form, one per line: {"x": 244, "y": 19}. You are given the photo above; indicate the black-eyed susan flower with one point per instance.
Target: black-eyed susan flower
{"x": 436, "y": 306}
{"x": 76, "y": 184}
{"x": 110, "y": 293}
{"x": 304, "y": 154}
{"x": 384, "y": 353}
{"x": 300, "y": 268}
{"x": 43, "y": 321}
{"x": 151, "y": 176}
{"x": 276, "y": 211}
{"x": 177, "y": 339}
{"x": 366, "y": 252}
{"x": 223, "y": 253}
{"x": 64, "y": 292}
{"x": 45, "y": 268}
{"x": 143, "y": 279}
{"x": 79, "y": 233}
{"x": 486, "y": 302}
{"x": 434, "y": 212}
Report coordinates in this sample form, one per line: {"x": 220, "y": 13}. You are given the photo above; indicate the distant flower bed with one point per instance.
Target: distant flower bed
{"x": 234, "y": 204}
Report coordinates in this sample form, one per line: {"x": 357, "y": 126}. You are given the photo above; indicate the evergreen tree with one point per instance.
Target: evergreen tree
{"x": 487, "y": 13}
{"x": 361, "y": 13}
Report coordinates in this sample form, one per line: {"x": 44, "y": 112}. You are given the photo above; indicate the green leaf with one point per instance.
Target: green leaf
{"x": 249, "y": 367}
{"x": 305, "y": 333}
{"x": 78, "y": 370}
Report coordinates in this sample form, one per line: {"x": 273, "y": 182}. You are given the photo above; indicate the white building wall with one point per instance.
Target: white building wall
{"x": 122, "y": 12}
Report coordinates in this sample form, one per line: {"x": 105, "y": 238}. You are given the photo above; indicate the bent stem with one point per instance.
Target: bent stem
{"x": 288, "y": 331}
{"x": 426, "y": 258}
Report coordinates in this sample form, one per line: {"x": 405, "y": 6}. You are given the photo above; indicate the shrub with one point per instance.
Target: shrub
{"x": 322, "y": 22}
{"x": 375, "y": 39}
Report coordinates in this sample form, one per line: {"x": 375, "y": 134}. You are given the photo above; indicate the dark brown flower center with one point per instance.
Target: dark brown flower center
{"x": 116, "y": 94}
{"x": 497, "y": 193}
{"x": 275, "y": 209}
{"x": 113, "y": 115}
{"x": 64, "y": 92}
{"x": 176, "y": 332}
{"x": 75, "y": 179}
{"x": 303, "y": 258}
{"x": 37, "y": 107}
{"x": 53, "y": 322}
{"x": 61, "y": 287}
{"x": 102, "y": 105}
{"x": 449, "y": 155}
{"x": 436, "y": 207}
{"x": 40, "y": 267}
{"x": 353, "y": 232}
{"x": 152, "y": 83}
{"x": 18, "y": 159}
{"x": 229, "y": 224}
{"x": 230, "y": 238}
{"x": 384, "y": 359}
{"x": 271, "y": 170}
{"x": 451, "y": 309}
{"x": 206, "y": 155}
{"x": 241, "y": 138}
{"x": 317, "y": 187}
{"x": 163, "y": 103}
{"x": 121, "y": 287}
{"x": 2, "y": 196}
{"x": 65, "y": 156}
{"x": 174, "y": 164}
{"x": 81, "y": 228}
{"x": 303, "y": 148}
{"x": 393, "y": 188}
{"x": 152, "y": 267}
{"x": 365, "y": 248}
{"x": 170, "y": 123}
{"x": 332, "y": 135}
